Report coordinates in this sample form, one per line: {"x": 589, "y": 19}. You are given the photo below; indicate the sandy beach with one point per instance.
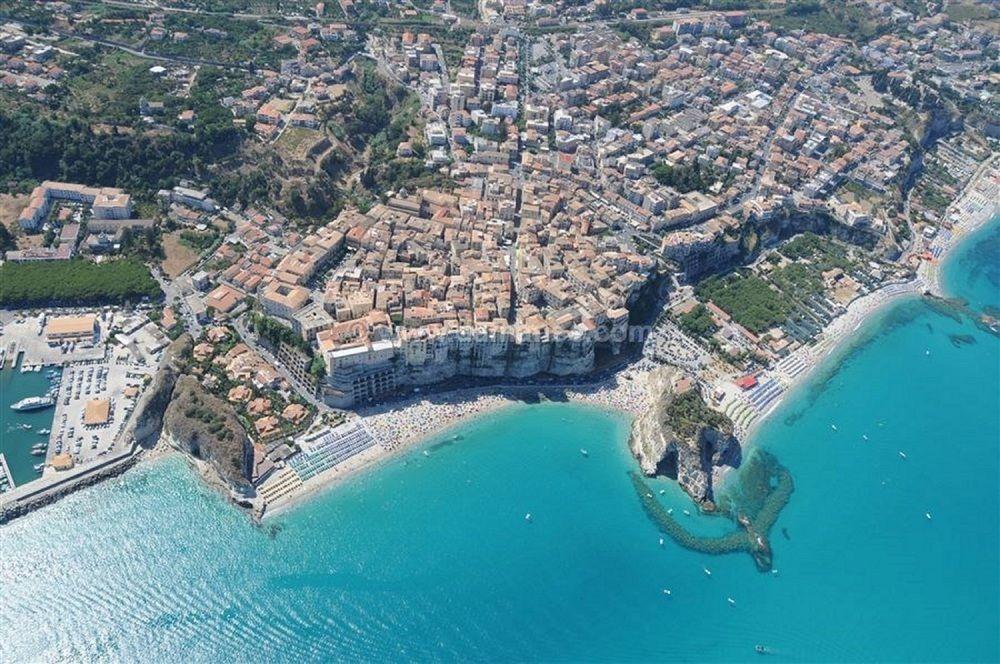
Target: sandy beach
{"x": 974, "y": 207}
{"x": 401, "y": 424}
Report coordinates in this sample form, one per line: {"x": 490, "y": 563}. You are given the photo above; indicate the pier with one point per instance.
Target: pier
{"x": 6, "y": 479}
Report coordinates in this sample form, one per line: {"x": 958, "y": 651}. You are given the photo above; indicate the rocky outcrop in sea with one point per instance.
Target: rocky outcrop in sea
{"x": 681, "y": 437}
{"x": 206, "y": 427}
{"x": 180, "y": 412}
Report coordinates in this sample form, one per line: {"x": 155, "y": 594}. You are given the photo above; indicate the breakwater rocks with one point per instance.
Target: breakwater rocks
{"x": 765, "y": 487}
{"x": 680, "y": 437}
{"x": 51, "y": 492}
{"x": 959, "y": 310}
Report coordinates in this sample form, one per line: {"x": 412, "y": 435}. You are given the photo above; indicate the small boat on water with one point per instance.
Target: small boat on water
{"x": 584, "y": 452}
{"x": 928, "y": 515}
{"x": 708, "y": 572}
{"x": 426, "y": 453}
{"x": 527, "y": 517}
{"x": 666, "y": 591}
{"x": 864, "y": 436}
{"x": 670, "y": 511}
{"x": 661, "y": 541}
{"x": 902, "y": 455}
{"x": 662, "y": 491}
{"x": 761, "y": 650}
{"x": 833, "y": 426}
{"x": 732, "y": 602}
{"x": 686, "y": 513}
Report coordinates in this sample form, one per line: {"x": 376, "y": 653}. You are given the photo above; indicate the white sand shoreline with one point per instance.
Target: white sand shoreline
{"x": 840, "y": 333}
{"x": 401, "y": 425}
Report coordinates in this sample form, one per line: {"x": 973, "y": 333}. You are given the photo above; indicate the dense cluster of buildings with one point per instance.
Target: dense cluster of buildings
{"x": 579, "y": 159}
{"x": 578, "y": 162}
{"x": 63, "y": 208}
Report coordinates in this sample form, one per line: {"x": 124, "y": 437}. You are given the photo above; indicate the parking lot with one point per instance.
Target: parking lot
{"x": 94, "y": 401}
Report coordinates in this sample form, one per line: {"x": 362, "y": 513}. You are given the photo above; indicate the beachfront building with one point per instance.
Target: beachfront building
{"x": 360, "y": 373}
{"x": 328, "y": 447}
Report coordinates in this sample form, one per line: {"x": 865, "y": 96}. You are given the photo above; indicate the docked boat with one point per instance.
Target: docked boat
{"x": 37, "y": 452}
{"x": 38, "y": 467}
{"x": 33, "y": 403}
{"x": 44, "y": 432}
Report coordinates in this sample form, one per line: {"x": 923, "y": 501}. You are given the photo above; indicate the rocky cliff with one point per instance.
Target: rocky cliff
{"x": 149, "y": 419}
{"x": 499, "y": 354}
{"x": 177, "y": 409}
{"x": 204, "y": 426}
{"x": 682, "y": 438}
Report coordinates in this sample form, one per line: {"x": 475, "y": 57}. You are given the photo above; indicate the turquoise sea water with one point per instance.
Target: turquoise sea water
{"x": 430, "y": 557}
{"x": 973, "y": 272}
{"x": 15, "y": 440}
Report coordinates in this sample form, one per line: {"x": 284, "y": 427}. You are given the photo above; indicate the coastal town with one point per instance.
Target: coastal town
{"x": 432, "y": 213}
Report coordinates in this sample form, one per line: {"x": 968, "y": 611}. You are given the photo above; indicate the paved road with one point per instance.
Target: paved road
{"x": 767, "y": 144}
{"x": 126, "y": 48}
{"x": 250, "y": 339}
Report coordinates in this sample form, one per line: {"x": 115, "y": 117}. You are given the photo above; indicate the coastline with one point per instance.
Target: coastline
{"x": 841, "y": 332}
{"x": 401, "y": 425}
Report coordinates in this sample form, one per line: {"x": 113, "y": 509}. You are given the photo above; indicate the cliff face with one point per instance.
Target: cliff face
{"x": 497, "y": 355}
{"x": 149, "y": 421}
{"x": 206, "y": 427}
{"x": 714, "y": 253}
{"x": 681, "y": 438}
